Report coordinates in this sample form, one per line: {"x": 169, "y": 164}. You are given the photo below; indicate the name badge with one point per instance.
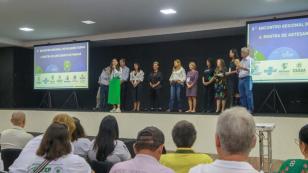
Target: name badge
{"x": 188, "y": 79}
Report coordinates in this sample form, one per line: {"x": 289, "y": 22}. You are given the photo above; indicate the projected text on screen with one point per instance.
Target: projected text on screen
{"x": 280, "y": 50}
{"x": 61, "y": 66}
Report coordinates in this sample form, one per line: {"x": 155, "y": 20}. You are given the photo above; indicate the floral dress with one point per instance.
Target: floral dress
{"x": 220, "y": 84}
{"x": 294, "y": 166}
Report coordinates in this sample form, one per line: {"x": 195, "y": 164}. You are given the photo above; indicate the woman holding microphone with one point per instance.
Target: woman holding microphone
{"x": 114, "y": 92}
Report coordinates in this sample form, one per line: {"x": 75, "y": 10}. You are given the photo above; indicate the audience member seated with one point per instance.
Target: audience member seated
{"x": 27, "y": 155}
{"x": 80, "y": 142}
{"x": 235, "y": 137}
{"x": 298, "y": 165}
{"x": 15, "y": 137}
{"x": 1, "y": 165}
{"x": 55, "y": 153}
{"x": 148, "y": 147}
{"x": 106, "y": 146}
{"x": 184, "y": 135}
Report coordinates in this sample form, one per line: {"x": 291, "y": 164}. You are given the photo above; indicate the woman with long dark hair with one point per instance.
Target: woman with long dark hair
{"x": 55, "y": 153}
{"x": 136, "y": 79}
{"x": 106, "y": 146}
{"x": 208, "y": 83}
{"x": 232, "y": 80}
{"x": 114, "y": 92}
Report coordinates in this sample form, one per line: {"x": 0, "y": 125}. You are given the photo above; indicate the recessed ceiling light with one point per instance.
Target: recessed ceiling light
{"x": 168, "y": 11}
{"x": 26, "y": 29}
{"x": 88, "y": 22}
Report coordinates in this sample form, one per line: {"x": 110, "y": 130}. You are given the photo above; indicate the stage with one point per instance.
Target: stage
{"x": 283, "y": 145}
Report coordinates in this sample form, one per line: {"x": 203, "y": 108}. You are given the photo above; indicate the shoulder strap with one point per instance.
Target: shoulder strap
{"x": 42, "y": 166}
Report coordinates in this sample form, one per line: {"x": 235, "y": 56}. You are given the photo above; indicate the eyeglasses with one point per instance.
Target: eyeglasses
{"x": 296, "y": 141}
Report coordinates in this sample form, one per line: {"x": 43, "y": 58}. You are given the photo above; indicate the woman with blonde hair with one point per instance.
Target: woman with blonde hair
{"x": 177, "y": 80}
{"x": 191, "y": 86}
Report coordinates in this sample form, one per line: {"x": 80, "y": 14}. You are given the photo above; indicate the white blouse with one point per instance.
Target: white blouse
{"x": 66, "y": 164}
{"x": 116, "y": 73}
{"x": 119, "y": 154}
{"x": 178, "y": 75}
{"x": 139, "y": 76}
{"x": 82, "y": 147}
{"x": 27, "y": 155}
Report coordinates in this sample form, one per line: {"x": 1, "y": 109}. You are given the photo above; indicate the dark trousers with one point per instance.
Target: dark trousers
{"x": 124, "y": 91}
{"x": 209, "y": 93}
{"x": 103, "y": 96}
{"x": 232, "y": 90}
{"x": 246, "y": 95}
{"x": 175, "y": 95}
{"x": 136, "y": 92}
{"x": 155, "y": 98}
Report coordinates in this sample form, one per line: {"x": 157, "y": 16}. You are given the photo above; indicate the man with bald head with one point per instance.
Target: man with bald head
{"x": 15, "y": 137}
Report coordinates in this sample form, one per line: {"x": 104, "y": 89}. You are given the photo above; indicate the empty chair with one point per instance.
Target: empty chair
{"x": 8, "y": 157}
{"x": 101, "y": 166}
{"x": 130, "y": 145}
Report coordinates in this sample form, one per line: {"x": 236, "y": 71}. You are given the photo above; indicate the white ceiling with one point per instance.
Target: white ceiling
{"x": 58, "y": 19}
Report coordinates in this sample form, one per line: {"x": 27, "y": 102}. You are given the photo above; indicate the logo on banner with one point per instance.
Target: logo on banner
{"x": 59, "y": 78}
{"x": 270, "y": 70}
{"x": 45, "y": 81}
{"x": 299, "y": 68}
{"x": 284, "y": 68}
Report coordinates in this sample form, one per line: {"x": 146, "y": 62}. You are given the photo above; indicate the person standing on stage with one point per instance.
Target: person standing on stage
{"x": 103, "y": 81}
{"x": 136, "y": 79}
{"x": 124, "y": 83}
{"x": 209, "y": 90}
{"x": 245, "y": 80}
{"x": 191, "y": 87}
{"x": 177, "y": 80}
{"x": 114, "y": 93}
{"x": 155, "y": 82}
{"x": 232, "y": 80}
{"x": 220, "y": 85}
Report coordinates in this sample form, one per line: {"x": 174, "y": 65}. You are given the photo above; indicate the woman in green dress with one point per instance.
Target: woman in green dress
{"x": 298, "y": 165}
{"x": 114, "y": 93}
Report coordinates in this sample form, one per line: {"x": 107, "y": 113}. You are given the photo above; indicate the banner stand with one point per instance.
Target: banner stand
{"x": 275, "y": 96}
{"x": 73, "y": 99}
{"x": 46, "y": 100}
